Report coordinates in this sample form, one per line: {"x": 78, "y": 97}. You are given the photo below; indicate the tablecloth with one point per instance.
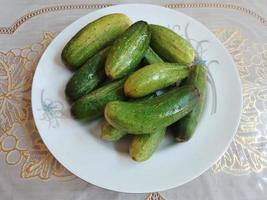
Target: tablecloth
{"x": 29, "y": 171}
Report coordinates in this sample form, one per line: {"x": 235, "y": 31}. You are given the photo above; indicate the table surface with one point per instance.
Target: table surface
{"x": 29, "y": 171}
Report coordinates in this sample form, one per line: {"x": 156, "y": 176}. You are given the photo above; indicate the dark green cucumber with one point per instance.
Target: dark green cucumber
{"x": 110, "y": 133}
{"x": 170, "y": 46}
{"x": 143, "y": 99}
{"x": 152, "y": 57}
{"x": 185, "y": 127}
{"x": 92, "y": 105}
{"x": 128, "y": 50}
{"x": 148, "y": 116}
{"x": 143, "y": 146}
{"x": 154, "y": 77}
{"x": 88, "y": 76}
{"x": 92, "y": 38}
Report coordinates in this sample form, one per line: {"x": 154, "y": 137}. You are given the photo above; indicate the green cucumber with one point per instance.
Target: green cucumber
{"x": 92, "y": 38}
{"x": 91, "y": 106}
{"x": 148, "y": 116}
{"x": 170, "y": 46}
{"x": 110, "y": 133}
{"x": 88, "y": 76}
{"x": 128, "y": 50}
{"x": 152, "y": 57}
{"x": 143, "y": 99}
{"x": 185, "y": 127}
{"x": 143, "y": 146}
{"x": 154, "y": 77}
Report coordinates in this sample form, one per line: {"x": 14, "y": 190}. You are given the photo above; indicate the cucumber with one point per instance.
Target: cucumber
{"x": 110, "y": 133}
{"x": 152, "y": 57}
{"x": 87, "y": 77}
{"x": 170, "y": 46}
{"x": 154, "y": 77}
{"x": 92, "y": 38}
{"x": 128, "y": 50}
{"x": 159, "y": 112}
{"x": 143, "y": 146}
{"x": 92, "y": 105}
{"x": 143, "y": 99}
{"x": 185, "y": 128}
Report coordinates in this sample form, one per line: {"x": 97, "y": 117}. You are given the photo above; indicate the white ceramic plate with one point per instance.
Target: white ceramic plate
{"x": 104, "y": 164}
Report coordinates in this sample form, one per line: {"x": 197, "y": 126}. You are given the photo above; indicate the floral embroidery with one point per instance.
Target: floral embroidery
{"x": 154, "y": 196}
{"x": 19, "y": 139}
{"x": 248, "y": 152}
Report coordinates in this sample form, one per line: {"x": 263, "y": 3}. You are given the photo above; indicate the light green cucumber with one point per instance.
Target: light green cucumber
{"x": 143, "y": 146}
{"x": 128, "y": 50}
{"x": 110, "y": 133}
{"x": 148, "y": 116}
{"x": 92, "y": 38}
{"x": 170, "y": 46}
{"x": 154, "y": 77}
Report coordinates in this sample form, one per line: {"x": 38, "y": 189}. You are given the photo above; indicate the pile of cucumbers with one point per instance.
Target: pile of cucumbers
{"x": 129, "y": 73}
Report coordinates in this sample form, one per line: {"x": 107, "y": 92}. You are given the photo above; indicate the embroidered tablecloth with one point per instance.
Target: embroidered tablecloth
{"x": 29, "y": 171}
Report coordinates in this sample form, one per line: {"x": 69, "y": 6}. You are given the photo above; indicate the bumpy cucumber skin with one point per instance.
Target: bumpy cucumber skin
{"x": 151, "y": 57}
{"x": 92, "y": 105}
{"x": 92, "y": 38}
{"x": 143, "y": 146}
{"x": 185, "y": 128}
{"x": 88, "y": 76}
{"x": 128, "y": 50}
{"x": 109, "y": 133}
{"x": 159, "y": 112}
{"x": 170, "y": 46}
{"x": 154, "y": 77}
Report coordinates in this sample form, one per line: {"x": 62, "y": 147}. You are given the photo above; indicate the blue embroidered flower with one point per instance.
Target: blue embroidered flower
{"x": 52, "y": 111}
